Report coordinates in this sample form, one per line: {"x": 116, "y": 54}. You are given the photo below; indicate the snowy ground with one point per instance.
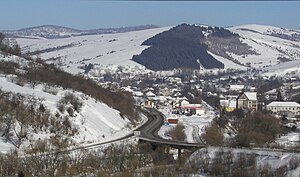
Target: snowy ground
{"x": 194, "y": 125}
{"x": 96, "y": 122}
{"x": 273, "y": 158}
{"x": 227, "y": 63}
{"x": 291, "y": 67}
{"x": 291, "y": 139}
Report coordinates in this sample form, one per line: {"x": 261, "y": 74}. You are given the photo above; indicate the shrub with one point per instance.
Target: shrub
{"x": 61, "y": 107}
{"x": 177, "y": 133}
{"x": 70, "y": 111}
{"x": 50, "y": 90}
{"x": 213, "y": 135}
{"x": 258, "y": 128}
{"x": 70, "y": 101}
{"x": 294, "y": 163}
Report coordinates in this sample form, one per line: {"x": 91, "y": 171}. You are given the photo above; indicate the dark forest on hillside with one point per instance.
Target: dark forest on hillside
{"x": 180, "y": 47}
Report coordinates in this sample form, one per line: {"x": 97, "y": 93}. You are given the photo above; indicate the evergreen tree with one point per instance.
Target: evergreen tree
{"x": 279, "y": 96}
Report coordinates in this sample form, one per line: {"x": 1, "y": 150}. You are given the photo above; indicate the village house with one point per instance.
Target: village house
{"x": 247, "y": 100}
{"x": 236, "y": 87}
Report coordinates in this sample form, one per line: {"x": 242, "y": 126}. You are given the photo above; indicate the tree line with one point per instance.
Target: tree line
{"x": 9, "y": 46}
{"x": 257, "y": 128}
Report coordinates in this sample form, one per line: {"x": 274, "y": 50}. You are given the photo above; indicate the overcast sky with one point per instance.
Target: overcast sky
{"x": 89, "y": 14}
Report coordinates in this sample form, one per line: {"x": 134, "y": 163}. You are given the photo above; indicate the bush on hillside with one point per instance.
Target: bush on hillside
{"x": 20, "y": 115}
{"x": 70, "y": 98}
{"x": 122, "y": 101}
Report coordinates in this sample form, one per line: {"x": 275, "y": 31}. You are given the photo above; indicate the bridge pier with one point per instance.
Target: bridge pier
{"x": 179, "y": 154}
{"x": 167, "y": 150}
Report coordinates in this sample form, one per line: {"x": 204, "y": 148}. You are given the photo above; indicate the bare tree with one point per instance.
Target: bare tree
{"x": 178, "y": 133}
{"x": 213, "y": 135}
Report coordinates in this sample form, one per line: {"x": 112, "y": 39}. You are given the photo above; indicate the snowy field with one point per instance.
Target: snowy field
{"x": 103, "y": 49}
{"x": 290, "y": 67}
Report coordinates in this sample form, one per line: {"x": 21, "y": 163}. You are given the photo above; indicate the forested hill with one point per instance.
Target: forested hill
{"x": 180, "y": 47}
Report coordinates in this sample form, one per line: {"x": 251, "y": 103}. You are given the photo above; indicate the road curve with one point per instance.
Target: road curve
{"x": 148, "y": 132}
{"x": 151, "y": 127}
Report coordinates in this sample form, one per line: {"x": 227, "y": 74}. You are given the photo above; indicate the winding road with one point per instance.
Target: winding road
{"x": 148, "y": 132}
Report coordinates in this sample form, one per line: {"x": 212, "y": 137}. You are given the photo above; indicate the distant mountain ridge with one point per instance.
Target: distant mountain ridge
{"x": 54, "y": 31}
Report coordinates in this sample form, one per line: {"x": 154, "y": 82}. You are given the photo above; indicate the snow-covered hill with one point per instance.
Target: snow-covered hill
{"x": 270, "y": 45}
{"x": 95, "y": 122}
{"x": 45, "y": 31}
{"x": 75, "y": 52}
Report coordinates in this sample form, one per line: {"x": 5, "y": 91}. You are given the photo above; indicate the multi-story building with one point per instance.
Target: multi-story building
{"x": 247, "y": 100}
{"x": 279, "y": 106}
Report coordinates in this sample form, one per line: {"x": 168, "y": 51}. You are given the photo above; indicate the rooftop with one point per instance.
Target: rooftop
{"x": 283, "y": 104}
{"x": 251, "y": 95}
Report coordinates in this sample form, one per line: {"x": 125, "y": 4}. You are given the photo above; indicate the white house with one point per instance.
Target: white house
{"x": 150, "y": 94}
{"x": 236, "y": 87}
{"x": 247, "y": 100}
{"x": 279, "y": 106}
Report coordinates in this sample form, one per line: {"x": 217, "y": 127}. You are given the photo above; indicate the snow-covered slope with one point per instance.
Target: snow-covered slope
{"x": 227, "y": 63}
{"x": 291, "y": 68}
{"x": 96, "y": 122}
{"x": 105, "y": 49}
{"x": 271, "y": 43}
